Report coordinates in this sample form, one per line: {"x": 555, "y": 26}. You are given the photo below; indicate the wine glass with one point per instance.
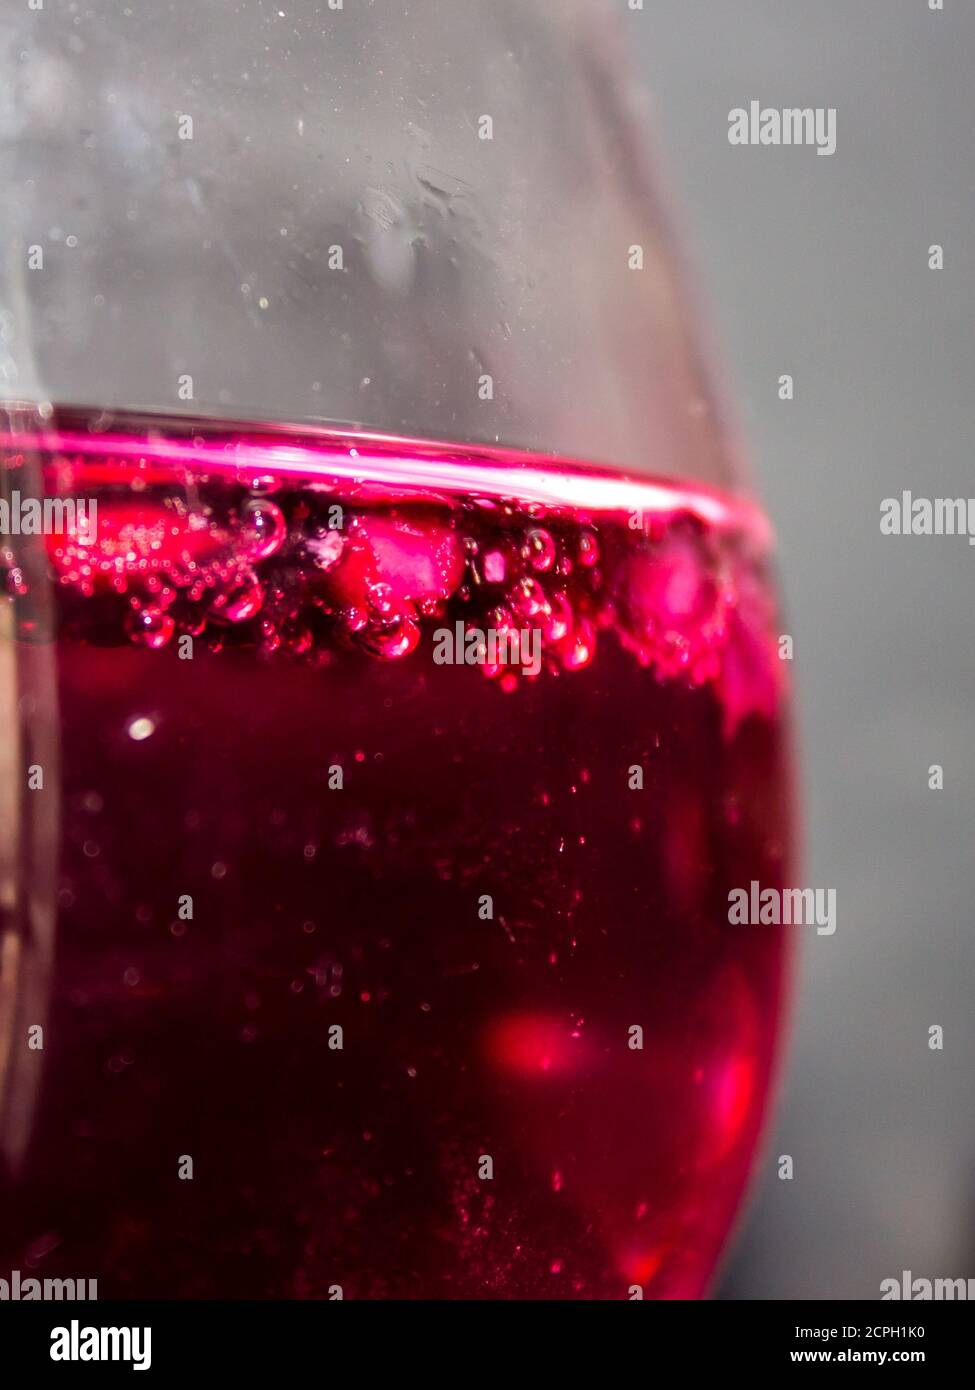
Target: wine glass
{"x": 390, "y": 671}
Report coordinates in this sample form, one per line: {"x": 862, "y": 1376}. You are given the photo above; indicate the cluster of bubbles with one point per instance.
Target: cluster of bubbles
{"x": 261, "y": 562}
{"x": 170, "y": 565}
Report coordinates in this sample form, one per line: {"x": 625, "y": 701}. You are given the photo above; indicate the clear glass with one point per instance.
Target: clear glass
{"x": 292, "y": 205}
{"x": 355, "y": 968}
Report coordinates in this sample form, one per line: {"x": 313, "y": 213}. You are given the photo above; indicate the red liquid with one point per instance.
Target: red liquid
{"x": 464, "y": 1034}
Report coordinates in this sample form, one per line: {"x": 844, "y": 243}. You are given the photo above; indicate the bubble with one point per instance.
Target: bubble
{"x": 270, "y": 637}
{"x": 150, "y": 626}
{"x": 300, "y": 640}
{"x": 380, "y": 598}
{"x": 560, "y": 623}
{"x": 539, "y": 549}
{"x": 264, "y": 528}
{"x": 394, "y": 639}
{"x": 501, "y": 618}
{"x": 581, "y": 648}
{"x": 354, "y": 619}
{"x": 241, "y": 602}
{"x": 588, "y": 549}
{"x": 528, "y": 599}
{"x": 141, "y": 728}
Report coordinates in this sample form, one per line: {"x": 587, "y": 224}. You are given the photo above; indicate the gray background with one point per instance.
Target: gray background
{"x": 818, "y": 267}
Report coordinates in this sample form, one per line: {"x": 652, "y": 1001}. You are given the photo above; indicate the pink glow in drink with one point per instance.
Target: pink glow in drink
{"x": 413, "y": 937}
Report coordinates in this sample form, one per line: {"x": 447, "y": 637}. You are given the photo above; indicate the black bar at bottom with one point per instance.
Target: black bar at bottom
{"x": 320, "y": 1338}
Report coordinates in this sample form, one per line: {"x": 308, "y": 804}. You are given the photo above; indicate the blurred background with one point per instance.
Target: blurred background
{"x": 818, "y": 267}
